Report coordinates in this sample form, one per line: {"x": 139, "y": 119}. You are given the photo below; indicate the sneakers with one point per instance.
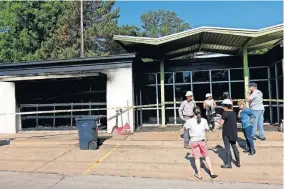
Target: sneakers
{"x": 252, "y": 152}
{"x": 260, "y": 138}
{"x": 263, "y": 138}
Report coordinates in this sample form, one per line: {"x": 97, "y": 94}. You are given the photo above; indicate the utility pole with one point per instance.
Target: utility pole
{"x": 82, "y": 31}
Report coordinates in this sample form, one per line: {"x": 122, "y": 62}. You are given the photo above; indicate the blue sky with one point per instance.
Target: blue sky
{"x": 242, "y": 14}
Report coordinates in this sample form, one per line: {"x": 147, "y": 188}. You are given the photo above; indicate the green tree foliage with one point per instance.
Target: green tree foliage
{"x": 100, "y": 24}
{"x": 30, "y": 24}
{"x": 160, "y": 23}
{"x": 43, "y": 30}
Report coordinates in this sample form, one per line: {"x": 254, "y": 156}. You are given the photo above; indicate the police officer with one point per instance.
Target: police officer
{"x": 255, "y": 99}
{"x": 186, "y": 112}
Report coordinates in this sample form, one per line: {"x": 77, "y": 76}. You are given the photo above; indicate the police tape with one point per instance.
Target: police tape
{"x": 125, "y": 108}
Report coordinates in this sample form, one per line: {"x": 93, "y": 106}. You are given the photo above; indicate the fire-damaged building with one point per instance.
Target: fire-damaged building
{"x": 113, "y": 82}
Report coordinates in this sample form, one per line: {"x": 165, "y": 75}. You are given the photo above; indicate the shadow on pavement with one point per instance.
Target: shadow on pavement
{"x": 192, "y": 162}
{"x": 102, "y": 139}
{"x": 242, "y": 143}
{"x": 220, "y": 150}
{"x": 4, "y": 142}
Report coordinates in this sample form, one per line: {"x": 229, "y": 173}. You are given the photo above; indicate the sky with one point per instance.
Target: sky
{"x": 241, "y": 14}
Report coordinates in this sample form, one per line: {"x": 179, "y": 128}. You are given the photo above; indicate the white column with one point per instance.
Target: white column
{"x": 7, "y": 105}
{"x": 119, "y": 92}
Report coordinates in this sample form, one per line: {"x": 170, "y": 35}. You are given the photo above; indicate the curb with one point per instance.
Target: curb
{"x": 180, "y": 143}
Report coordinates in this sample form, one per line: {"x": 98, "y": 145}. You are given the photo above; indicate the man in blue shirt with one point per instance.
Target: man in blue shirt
{"x": 247, "y": 119}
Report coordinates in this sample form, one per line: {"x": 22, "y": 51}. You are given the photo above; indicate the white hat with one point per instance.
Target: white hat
{"x": 208, "y": 94}
{"x": 227, "y": 101}
{"x": 189, "y": 93}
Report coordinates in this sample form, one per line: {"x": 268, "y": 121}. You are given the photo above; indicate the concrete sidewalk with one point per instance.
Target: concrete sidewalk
{"x": 155, "y": 155}
{"x": 70, "y": 138}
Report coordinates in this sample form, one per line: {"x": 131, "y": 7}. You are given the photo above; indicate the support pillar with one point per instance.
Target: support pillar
{"x": 246, "y": 70}
{"x": 162, "y": 81}
{"x": 8, "y": 122}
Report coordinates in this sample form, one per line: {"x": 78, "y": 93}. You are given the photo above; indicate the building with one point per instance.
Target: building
{"x": 126, "y": 80}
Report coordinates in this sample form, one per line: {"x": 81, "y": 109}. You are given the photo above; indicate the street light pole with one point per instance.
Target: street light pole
{"x": 82, "y": 30}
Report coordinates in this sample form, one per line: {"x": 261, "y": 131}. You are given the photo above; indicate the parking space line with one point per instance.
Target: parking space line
{"x": 96, "y": 163}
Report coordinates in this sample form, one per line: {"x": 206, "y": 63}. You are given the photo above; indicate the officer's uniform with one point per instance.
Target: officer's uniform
{"x": 185, "y": 113}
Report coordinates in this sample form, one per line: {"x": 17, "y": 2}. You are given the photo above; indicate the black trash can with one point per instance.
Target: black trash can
{"x": 88, "y": 132}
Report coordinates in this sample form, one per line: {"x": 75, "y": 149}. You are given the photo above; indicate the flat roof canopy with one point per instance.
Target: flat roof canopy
{"x": 206, "y": 39}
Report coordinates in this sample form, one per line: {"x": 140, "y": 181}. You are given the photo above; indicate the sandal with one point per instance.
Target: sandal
{"x": 196, "y": 175}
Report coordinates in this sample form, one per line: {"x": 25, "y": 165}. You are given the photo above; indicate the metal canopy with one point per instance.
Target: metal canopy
{"x": 57, "y": 75}
{"x": 207, "y": 39}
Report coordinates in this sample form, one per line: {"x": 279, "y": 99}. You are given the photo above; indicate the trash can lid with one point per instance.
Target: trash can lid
{"x": 88, "y": 118}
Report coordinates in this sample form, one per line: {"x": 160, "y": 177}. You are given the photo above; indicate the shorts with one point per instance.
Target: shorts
{"x": 199, "y": 149}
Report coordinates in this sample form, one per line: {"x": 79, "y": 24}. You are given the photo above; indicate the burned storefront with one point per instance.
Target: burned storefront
{"x": 76, "y": 84}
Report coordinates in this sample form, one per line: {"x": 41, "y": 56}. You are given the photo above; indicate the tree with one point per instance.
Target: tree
{"x": 30, "y": 24}
{"x": 46, "y": 30}
{"x": 100, "y": 24}
{"x": 160, "y": 23}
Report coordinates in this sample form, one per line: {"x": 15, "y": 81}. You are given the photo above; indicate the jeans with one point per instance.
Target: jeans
{"x": 258, "y": 121}
{"x": 248, "y": 136}
{"x": 186, "y": 136}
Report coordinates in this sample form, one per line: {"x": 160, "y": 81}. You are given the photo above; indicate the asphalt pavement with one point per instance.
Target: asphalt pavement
{"x": 18, "y": 180}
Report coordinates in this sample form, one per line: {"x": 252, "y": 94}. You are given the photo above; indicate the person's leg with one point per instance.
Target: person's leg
{"x": 260, "y": 125}
{"x": 196, "y": 154}
{"x": 208, "y": 118}
{"x": 204, "y": 153}
{"x": 209, "y": 165}
{"x": 255, "y": 112}
{"x": 247, "y": 141}
{"x": 197, "y": 164}
{"x": 186, "y": 137}
{"x": 228, "y": 156}
{"x": 236, "y": 153}
{"x": 213, "y": 123}
{"x": 251, "y": 142}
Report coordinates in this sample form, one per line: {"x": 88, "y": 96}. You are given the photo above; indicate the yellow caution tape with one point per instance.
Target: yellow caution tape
{"x": 117, "y": 108}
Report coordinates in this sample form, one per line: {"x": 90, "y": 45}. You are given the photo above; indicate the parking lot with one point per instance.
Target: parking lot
{"x": 151, "y": 155}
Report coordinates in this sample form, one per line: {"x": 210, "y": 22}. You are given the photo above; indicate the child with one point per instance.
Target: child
{"x": 230, "y": 133}
{"x": 197, "y": 127}
{"x": 247, "y": 118}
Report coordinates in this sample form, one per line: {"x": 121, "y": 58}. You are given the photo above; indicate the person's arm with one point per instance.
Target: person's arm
{"x": 250, "y": 114}
{"x": 204, "y": 105}
{"x": 180, "y": 111}
{"x": 214, "y": 104}
{"x": 250, "y": 97}
{"x": 221, "y": 121}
